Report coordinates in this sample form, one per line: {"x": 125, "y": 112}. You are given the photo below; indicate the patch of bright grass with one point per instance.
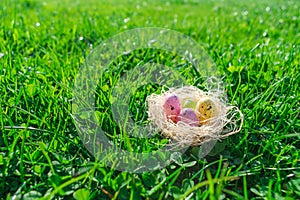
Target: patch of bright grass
{"x": 254, "y": 44}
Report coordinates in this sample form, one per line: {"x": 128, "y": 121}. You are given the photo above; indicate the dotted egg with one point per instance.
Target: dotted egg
{"x": 207, "y": 109}
{"x": 172, "y": 107}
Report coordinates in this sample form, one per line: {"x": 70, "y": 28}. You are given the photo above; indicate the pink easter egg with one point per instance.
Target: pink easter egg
{"x": 172, "y": 107}
{"x": 188, "y": 116}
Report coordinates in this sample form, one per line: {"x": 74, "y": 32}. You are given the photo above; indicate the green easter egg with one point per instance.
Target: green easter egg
{"x": 189, "y": 104}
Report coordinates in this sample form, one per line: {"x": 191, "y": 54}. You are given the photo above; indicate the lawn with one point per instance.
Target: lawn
{"x": 44, "y": 44}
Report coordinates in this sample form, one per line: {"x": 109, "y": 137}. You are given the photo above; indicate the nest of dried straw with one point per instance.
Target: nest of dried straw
{"x": 227, "y": 122}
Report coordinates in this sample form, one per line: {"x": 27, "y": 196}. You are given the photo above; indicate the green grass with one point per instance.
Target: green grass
{"x": 254, "y": 44}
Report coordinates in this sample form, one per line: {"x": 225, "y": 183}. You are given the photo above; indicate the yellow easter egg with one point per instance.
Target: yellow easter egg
{"x": 206, "y": 109}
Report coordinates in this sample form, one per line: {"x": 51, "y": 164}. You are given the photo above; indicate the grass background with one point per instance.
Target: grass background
{"x": 44, "y": 43}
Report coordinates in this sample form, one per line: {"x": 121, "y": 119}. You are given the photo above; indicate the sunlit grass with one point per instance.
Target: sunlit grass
{"x": 44, "y": 43}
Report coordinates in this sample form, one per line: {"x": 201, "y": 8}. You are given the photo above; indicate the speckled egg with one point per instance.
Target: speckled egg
{"x": 172, "y": 107}
{"x": 207, "y": 108}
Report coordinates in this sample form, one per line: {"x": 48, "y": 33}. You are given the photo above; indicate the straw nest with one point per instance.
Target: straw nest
{"x": 215, "y": 119}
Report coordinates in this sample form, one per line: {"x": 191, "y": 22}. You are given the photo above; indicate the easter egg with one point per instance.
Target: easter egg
{"x": 188, "y": 116}
{"x": 207, "y": 108}
{"x": 172, "y": 107}
{"x": 189, "y": 104}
